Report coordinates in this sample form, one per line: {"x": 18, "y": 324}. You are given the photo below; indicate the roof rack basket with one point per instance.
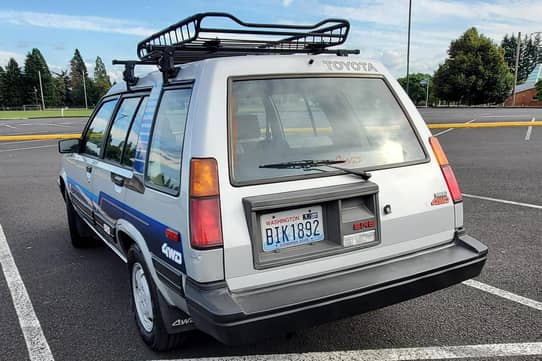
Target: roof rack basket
{"x": 189, "y": 40}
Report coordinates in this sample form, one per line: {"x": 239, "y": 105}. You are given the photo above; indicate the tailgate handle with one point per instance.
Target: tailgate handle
{"x": 89, "y": 169}
{"x": 117, "y": 179}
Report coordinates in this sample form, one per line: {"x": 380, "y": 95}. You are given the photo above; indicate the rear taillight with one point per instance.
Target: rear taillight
{"x": 447, "y": 171}
{"x": 205, "y": 218}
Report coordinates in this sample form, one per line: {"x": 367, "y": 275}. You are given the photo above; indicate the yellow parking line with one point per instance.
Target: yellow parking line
{"x": 431, "y": 126}
{"x": 484, "y": 125}
{"x": 38, "y": 136}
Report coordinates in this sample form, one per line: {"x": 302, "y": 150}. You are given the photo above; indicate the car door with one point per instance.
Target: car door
{"x": 110, "y": 175}
{"x": 79, "y": 166}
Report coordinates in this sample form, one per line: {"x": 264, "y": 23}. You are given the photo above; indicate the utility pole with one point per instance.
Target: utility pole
{"x": 427, "y": 94}
{"x": 41, "y": 91}
{"x": 516, "y": 70}
{"x": 408, "y": 46}
{"x": 85, "y": 89}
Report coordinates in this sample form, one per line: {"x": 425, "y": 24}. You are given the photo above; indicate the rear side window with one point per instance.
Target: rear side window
{"x": 94, "y": 138}
{"x": 131, "y": 142}
{"x": 164, "y": 163}
{"x": 119, "y": 129}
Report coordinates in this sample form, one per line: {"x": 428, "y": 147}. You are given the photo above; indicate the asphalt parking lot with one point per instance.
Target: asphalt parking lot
{"x": 81, "y": 297}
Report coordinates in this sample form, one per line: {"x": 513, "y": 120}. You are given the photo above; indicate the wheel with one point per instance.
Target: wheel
{"x": 80, "y": 233}
{"x": 146, "y": 306}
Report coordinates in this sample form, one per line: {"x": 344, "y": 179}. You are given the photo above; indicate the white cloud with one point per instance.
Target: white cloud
{"x": 287, "y": 3}
{"x": 83, "y": 23}
{"x": 6, "y": 55}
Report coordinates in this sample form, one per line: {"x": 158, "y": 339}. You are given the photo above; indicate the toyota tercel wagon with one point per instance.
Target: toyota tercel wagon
{"x": 263, "y": 181}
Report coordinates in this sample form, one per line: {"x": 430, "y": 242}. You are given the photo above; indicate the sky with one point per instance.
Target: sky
{"x": 112, "y": 29}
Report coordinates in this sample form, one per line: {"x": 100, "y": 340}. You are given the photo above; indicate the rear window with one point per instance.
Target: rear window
{"x": 356, "y": 120}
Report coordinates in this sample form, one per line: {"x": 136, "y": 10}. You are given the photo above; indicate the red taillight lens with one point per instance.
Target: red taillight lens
{"x": 205, "y": 225}
{"x": 205, "y": 218}
{"x": 447, "y": 171}
{"x": 452, "y": 184}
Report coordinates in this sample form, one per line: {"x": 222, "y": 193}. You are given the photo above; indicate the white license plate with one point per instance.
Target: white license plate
{"x": 291, "y": 228}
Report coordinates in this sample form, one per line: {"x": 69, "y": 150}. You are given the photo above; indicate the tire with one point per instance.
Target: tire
{"x": 147, "y": 314}
{"x": 80, "y": 233}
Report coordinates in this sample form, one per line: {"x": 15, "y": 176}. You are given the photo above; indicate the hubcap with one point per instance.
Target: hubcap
{"x": 142, "y": 297}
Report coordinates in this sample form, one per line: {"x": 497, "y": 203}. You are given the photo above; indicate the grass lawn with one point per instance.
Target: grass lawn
{"x": 48, "y": 113}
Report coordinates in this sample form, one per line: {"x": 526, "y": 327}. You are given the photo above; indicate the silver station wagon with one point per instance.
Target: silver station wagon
{"x": 263, "y": 181}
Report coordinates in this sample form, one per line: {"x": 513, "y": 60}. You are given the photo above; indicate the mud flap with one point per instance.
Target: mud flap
{"x": 175, "y": 320}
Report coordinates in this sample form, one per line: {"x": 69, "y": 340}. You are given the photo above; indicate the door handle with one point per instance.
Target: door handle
{"x": 89, "y": 169}
{"x": 117, "y": 179}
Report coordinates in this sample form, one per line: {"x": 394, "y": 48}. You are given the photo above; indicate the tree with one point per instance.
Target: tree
{"x": 62, "y": 84}
{"x": 474, "y": 73}
{"x": 34, "y": 65}
{"x": 78, "y": 71}
{"x": 418, "y": 88}
{"x": 101, "y": 79}
{"x": 2, "y": 75}
{"x": 530, "y": 54}
{"x": 12, "y": 85}
{"x": 539, "y": 91}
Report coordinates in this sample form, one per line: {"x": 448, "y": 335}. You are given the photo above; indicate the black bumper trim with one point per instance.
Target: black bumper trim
{"x": 239, "y": 318}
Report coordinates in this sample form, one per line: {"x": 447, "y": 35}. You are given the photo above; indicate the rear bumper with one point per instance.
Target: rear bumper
{"x": 238, "y": 318}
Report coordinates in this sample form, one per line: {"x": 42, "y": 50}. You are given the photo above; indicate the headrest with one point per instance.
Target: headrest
{"x": 248, "y": 126}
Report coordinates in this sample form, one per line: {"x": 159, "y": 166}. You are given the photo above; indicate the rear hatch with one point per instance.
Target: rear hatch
{"x": 294, "y": 146}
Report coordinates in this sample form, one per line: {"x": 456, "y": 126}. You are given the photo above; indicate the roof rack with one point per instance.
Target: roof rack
{"x": 189, "y": 40}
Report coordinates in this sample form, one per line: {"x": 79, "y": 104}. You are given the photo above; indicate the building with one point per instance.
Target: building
{"x": 526, "y": 92}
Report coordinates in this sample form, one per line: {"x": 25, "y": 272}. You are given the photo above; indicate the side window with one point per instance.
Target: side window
{"x": 164, "y": 165}
{"x": 119, "y": 129}
{"x": 94, "y": 138}
{"x": 131, "y": 141}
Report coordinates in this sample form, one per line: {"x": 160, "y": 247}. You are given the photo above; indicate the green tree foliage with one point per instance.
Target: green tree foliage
{"x": 530, "y": 54}
{"x": 101, "y": 79}
{"x": 417, "y": 88}
{"x": 78, "y": 71}
{"x": 474, "y": 73}
{"x": 62, "y": 84}
{"x": 34, "y": 65}
{"x": 2, "y": 75}
{"x": 539, "y": 91}
{"x": 12, "y": 85}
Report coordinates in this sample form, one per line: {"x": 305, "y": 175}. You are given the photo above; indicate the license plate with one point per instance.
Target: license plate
{"x": 291, "y": 228}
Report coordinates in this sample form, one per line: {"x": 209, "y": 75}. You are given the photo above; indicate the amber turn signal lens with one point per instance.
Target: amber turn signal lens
{"x": 203, "y": 177}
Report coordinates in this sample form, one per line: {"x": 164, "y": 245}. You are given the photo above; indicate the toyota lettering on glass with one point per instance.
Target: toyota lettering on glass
{"x": 291, "y": 228}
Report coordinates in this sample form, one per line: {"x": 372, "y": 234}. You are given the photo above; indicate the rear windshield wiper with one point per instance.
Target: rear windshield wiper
{"x": 311, "y": 164}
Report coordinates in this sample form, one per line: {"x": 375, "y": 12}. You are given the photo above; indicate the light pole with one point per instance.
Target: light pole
{"x": 426, "y": 82}
{"x": 408, "y": 46}
{"x": 518, "y": 50}
{"x": 85, "y": 89}
{"x": 41, "y": 91}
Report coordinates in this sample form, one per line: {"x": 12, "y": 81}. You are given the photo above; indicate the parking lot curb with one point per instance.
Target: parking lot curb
{"x": 4, "y": 138}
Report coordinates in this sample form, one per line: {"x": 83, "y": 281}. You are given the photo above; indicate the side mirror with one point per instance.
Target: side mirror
{"x": 69, "y": 145}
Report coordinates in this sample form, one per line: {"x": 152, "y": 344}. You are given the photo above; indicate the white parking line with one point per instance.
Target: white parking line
{"x": 535, "y": 206}
{"x": 504, "y": 294}
{"x": 529, "y": 131}
{"x": 450, "y": 129}
{"x": 396, "y": 354}
{"x": 57, "y": 125}
{"x": 501, "y": 116}
{"x": 41, "y": 146}
{"x": 38, "y": 348}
